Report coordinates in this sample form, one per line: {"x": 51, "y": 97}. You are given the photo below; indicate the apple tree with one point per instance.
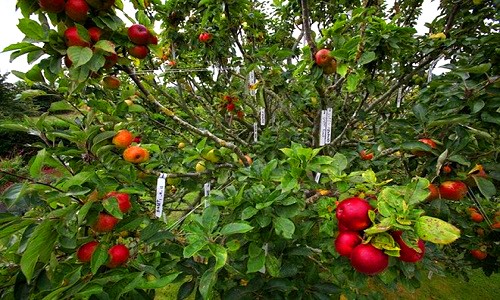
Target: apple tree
{"x": 244, "y": 149}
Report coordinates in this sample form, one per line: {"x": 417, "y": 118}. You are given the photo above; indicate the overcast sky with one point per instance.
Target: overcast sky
{"x": 10, "y": 34}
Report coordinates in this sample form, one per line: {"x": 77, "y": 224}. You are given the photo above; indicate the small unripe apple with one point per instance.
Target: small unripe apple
{"x": 181, "y": 145}
{"x": 200, "y": 167}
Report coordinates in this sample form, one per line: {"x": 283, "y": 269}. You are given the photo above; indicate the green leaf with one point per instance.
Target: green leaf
{"x": 210, "y": 218}
{"x": 186, "y": 289}
{"x": 103, "y": 136}
{"x": 367, "y": 57}
{"x": 106, "y": 46}
{"x": 60, "y": 106}
{"x": 234, "y": 228}
{"x": 207, "y": 281}
{"x": 486, "y": 187}
{"x": 436, "y": 230}
{"x": 284, "y": 227}
{"x": 157, "y": 283}
{"x": 112, "y": 207}
{"x": 33, "y": 30}
{"x": 342, "y": 69}
{"x": 193, "y": 248}
{"x": 352, "y": 82}
{"x": 79, "y": 55}
{"x": 99, "y": 258}
{"x": 37, "y": 164}
{"x": 40, "y": 246}
{"x": 256, "y": 263}
{"x": 220, "y": 254}
{"x": 482, "y": 68}
{"x": 417, "y": 191}
{"x": 248, "y": 212}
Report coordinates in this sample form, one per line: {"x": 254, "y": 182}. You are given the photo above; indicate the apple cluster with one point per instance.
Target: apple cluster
{"x": 141, "y": 37}
{"x": 117, "y": 254}
{"x": 229, "y": 104}
{"x": 123, "y": 139}
{"x": 353, "y": 217}
{"x": 326, "y": 61}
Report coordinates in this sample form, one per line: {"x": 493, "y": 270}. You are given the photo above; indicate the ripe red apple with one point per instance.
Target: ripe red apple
{"x": 111, "y": 60}
{"x": 95, "y": 34}
{"x": 54, "y": 6}
{"x": 230, "y": 107}
{"x": 429, "y": 142}
{"x": 123, "y": 200}
{"x": 205, "y": 37}
{"x": 77, "y": 10}
{"x": 118, "y": 255}
{"x": 453, "y": 190}
{"x": 73, "y": 38}
{"x": 153, "y": 39}
{"x": 365, "y": 156}
{"x": 479, "y": 254}
{"x": 407, "y": 253}
{"x": 346, "y": 241}
{"x": 84, "y": 253}
{"x": 104, "y": 223}
{"x": 367, "y": 259}
{"x": 111, "y": 82}
{"x": 139, "y": 51}
{"x": 323, "y": 58}
{"x": 138, "y": 34}
{"x": 434, "y": 192}
{"x": 353, "y": 213}
{"x": 342, "y": 227}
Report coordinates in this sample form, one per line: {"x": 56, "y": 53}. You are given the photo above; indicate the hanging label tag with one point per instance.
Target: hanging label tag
{"x": 317, "y": 177}
{"x": 266, "y": 251}
{"x": 400, "y": 96}
{"x": 262, "y": 116}
{"x": 206, "y": 192}
{"x": 322, "y": 128}
{"x": 160, "y": 195}
{"x": 252, "y": 88}
{"x": 328, "y": 135}
{"x": 255, "y": 131}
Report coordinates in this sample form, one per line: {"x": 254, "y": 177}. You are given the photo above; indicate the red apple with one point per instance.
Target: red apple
{"x": 453, "y": 190}
{"x": 95, "y": 34}
{"x": 123, "y": 200}
{"x": 205, "y": 37}
{"x": 77, "y": 10}
{"x": 323, "y": 58}
{"x": 153, "y": 39}
{"x": 111, "y": 82}
{"x": 353, "y": 213}
{"x": 118, "y": 255}
{"x": 407, "y": 253}
{"x": 84, "y": 253}
{"x": 73, "y": 38}
{"x": 54, "y": 6}
{"x": 105, "y": 223}
{"x": 111, "y": 60}
{"x": 230, "y": 107}
{"x": 138, "y": 34}
{"x": 479, "y": 254}
{"x": 429, "y": 142}
{"x": 365, "y": 156}
{"x": 434, "y": 192}
{"x": 139, "y": 51}
{"x": 367, "y": 259}
{"x": 346, "y": 241}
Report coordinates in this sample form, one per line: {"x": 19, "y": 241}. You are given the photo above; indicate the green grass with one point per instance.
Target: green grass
{"x": 446, "y": 288}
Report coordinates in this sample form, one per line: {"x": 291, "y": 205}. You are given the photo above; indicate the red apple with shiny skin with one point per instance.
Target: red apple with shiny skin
{"x": 367, "y": 259}
{"x": 84, "y": 253}
{"x": 111, "y": 60}
{"x": 346, "y": 241}
{"x": 73, "y": 38}
{"x": 138, "y": 51}
{"x": 123, "y": 200}
{"x": 408, "y": 254}
{"x": 138, "y": 34}
{"x": 323, "y": 58}
{"x": 77, "y": 10}
{"x": 95, "y": 34}
{"x": 111, "y": 82}
{"x": 453, "y": 190}
{"x": 118, "y": 255}
{"x": 353, "y": 213}
{"x": 205, "y": 37}
{"x": 104, "y": 223}
{"x": 54, "y": 6}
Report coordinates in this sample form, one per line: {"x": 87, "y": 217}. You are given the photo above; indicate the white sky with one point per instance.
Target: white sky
{"x": 10, "y": 34}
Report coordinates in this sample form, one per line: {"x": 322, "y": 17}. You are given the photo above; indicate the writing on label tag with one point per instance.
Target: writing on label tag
{"x": 206, "y": 192}
{"x": 328, "y": 130}
{"x": 255, "y": 132}
{"x": 160, "y": 194}
{"x": 251, "y": 83}
{"x": 322, "y": 128}
{"x": 317, "y": 177}
{"x": 262, "y": 116}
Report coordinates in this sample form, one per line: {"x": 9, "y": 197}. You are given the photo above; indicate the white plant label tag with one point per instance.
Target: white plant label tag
{"x": 329, "y": 116}
{"x": 251, "y": 83}
{"x": 206, "y": 192}
{"x": 255, "y": 132}
{"x": 262, "y": 116}
{"x": 322, "y": 128}
{"x": 317, "y": 177}
{"x": 160, "y": 195}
